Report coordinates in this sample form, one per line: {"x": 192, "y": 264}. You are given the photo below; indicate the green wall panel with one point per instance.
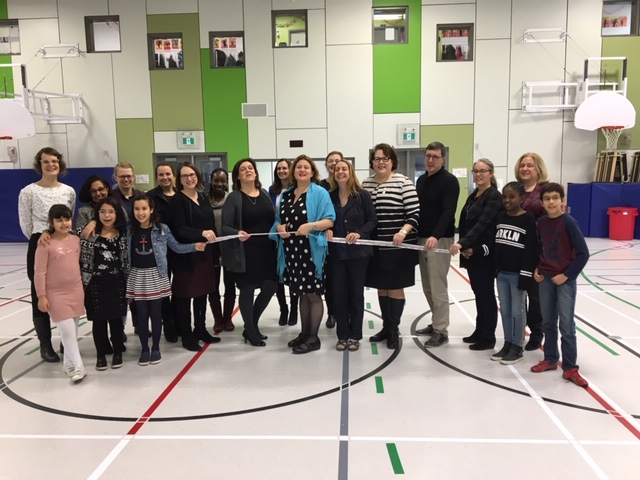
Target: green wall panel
{"x": 627, "y": 46}
{"x": 135, "y": 145}
{"x": 224, "y": 90}
{"x": 396, "y": 68}
{"x": 459, "y": 139}
{"x": 176, "y": 95}
{"x": 6, "y": 79}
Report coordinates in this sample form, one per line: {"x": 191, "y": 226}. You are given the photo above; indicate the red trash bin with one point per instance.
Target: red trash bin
{"x": 622, "y": 221}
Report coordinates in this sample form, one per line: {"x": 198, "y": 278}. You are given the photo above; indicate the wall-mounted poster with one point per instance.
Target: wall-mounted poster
{"x": 165, "y": 51}
{"x": 227, "y": 49}
{"x": 617, "y": 18}
{"x": 454, "y": 42}
{"x": 9, "y": 37}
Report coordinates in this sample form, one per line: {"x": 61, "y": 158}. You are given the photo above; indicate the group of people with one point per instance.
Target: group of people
{"x": 159, "y": 253}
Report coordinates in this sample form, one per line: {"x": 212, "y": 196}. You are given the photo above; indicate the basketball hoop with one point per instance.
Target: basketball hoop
{"x": 612, "y": 134}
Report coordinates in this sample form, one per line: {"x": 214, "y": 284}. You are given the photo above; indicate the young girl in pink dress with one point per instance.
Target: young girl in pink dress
{"x": 59, "y": 286}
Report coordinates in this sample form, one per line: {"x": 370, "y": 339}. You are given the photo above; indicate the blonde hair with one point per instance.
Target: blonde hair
{"x": 121, "y": 165}
{"x": 353, "y": 184}
{"x": 543, "y": 174}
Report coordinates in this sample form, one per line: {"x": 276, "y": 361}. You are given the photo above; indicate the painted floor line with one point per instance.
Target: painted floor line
{"x": 97, "y": 473}
{"x": 609, "y": 307}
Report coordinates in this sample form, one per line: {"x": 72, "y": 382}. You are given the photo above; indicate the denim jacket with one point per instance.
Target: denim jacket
{"x": 161, "y": 238}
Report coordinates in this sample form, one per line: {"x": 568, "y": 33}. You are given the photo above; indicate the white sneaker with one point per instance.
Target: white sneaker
{"x": 68, "y": 369}
{"x": 78, "y": 375}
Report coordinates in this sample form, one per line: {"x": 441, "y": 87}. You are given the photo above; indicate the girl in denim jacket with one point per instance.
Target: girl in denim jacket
{"x": 148, "y": 282}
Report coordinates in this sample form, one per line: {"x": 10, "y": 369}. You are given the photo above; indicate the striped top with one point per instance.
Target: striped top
{"x": 396, "y": 204}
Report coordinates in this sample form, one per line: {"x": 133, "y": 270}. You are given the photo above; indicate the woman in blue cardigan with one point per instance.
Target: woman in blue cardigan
{"x": 355, "y": 219}
{"x": 305, "y": 213}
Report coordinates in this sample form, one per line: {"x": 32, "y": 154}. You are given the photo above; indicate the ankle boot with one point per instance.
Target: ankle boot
{"x": 396, "y": 307}
{"x": 200, "y": 332}
{"x": 284, "y": 315}
{"x": 229, "y": 304}
{"x": 293, "y": 313}
{"x": 216, "y": 310}
{"x": 384, "y": 313}
{"x": 43, "y": 330}
{"x": 169, "y": 329}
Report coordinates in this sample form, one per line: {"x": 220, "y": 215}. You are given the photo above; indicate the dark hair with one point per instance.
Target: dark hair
{"x": 236, "y": 171}
{"x": 437, "y": 146}
{"x": 276, "y": 186}
{"x": 192, "y": 166}
{"x": 121, "y": 218}
{"x": 517, "y": 187}
{"x": 49, "y": 151}
{"x": 58, "y": 211}
{"x": 163, "y": 164}
{"x": 154, "y": 218}
{"x": 213, "y": 174}
{"x": 315, "y": 173}
{"x": 552, "y": 187}
{"x": 388, "y": 151}
{"x": 84, "y": 196}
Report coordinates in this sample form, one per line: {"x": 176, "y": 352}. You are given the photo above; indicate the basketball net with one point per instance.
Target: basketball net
{"x": 611, "y": 134}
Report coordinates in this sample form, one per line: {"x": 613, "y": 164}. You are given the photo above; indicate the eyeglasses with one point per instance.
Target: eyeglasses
{"x": 125, "y": 177}
{"x": 50, "y": 162}
{"x": 381, "y": 159}
{"x": 481, "y": 172}
{"x": 98, "y": 190}
{"x": 107, "y": 212}
{"x": 428, "y": 156}
{"x": 187, "y": 176}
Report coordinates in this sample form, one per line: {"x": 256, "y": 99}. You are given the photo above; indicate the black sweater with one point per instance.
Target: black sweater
{"x": 516, "y": 247}
{"x": 438, "y": 195}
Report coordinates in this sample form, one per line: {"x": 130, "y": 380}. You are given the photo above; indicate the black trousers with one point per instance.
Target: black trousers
{"x": 347, "y": 283}
{"x": 101, "y": 337}
{"x": 482, "y": 280}
{"x": 31, "y": 260}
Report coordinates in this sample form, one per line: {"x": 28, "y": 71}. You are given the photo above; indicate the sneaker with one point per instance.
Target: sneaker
{"x": 574, "y": 376}
{"x": 341, "y": 345}
{"x": 428, "y": 330}
{"x": 513, "y": 356}
{"x": 544, "y": 366}
{"x": 116, "y": 361}
{"x": 354, "y": 345}
{"x": 101, "y": 364}
{"x": 68, "y": 369}
{"x": 155, "y": 357}
{"x": 437, "y": 340}
{"x": 78, "y": 375}
{"x": 144, "y": 359}
{"x": 496, "y": 357}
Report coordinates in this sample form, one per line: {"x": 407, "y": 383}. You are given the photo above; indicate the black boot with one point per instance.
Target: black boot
{"x": 284, "y": 315}
{"x": 43, "y": 330}
{"x": 169, "y": 329}
{"x": 293, "y": 313}
{"x": 183, "y": 322}
{"x": 396, "y": 307}
{"x": 384, "y": 313}
{"x": 200, "y": 330}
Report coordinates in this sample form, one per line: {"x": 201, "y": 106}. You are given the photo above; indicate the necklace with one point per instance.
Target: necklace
{"x": 252, "y": 200}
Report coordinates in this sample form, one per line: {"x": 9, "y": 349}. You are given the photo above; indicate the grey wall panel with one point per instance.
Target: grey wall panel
{"x": 447, "y": 87}
{"x": 131, "y": 82}
{"x": 314, "y": 142}
{"x": 32, "y": 9}
{"x": 219, "y": 16}
{"x": 300, "y": 80}
{"x": 493, "y": 19}
{"x": 262, "y": 137}
{"x": 350, "y": 100}
{"x": 491, "y": 112}
{"x": 535, "y": 61}
{"x": 155, "y": 7}
{"x": 259, "y": 71}
{"x": 348, "y": 22}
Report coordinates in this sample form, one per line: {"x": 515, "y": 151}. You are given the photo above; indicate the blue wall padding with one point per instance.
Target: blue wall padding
{"x": 579, "y": 203}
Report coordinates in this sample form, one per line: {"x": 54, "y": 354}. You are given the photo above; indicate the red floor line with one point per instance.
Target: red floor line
{"x": 15, "y": 299}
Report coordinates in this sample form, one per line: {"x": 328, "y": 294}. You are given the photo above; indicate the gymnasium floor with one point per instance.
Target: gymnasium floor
{"x": 233, "y": 411}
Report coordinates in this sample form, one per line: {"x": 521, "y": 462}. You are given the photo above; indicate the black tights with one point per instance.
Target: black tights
{"x": 146, "y": 309}
{"x": 311, "y": 312}
{"x": 251, "y": 310}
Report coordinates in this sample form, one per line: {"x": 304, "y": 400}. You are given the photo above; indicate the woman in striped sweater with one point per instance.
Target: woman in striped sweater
{"x": 391, "y": 269}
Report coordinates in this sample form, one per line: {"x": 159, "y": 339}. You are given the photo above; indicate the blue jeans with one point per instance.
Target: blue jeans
{"x": 512, "y": 307}
{"x": 559, "y": 301}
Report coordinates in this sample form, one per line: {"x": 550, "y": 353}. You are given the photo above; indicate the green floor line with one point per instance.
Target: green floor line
{"x": 395, "y": 459}
{"x": 81, "y": 324}
{"x": 595, "y": 340}
{"x": 374, "y": 348}
{"x": 608, "y": 293}
{"x": 37, "y": 349}
{"x": 368, "y": 305}
{"x": 370, "y": 324}
{"x": 379, "y": 385}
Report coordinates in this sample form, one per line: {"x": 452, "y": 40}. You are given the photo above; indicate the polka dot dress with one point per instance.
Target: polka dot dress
{"x": 300, "y": 271}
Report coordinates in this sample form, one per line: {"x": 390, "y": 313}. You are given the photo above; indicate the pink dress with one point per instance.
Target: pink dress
{"x": 57, "y": 275}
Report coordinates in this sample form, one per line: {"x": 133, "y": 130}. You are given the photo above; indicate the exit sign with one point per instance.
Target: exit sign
{"x": 188, "y": 140}
{"x": 409, "y": 137}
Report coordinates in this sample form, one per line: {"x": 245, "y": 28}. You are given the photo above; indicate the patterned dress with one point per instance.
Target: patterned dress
{"x": 105, "y": 295}
{"x": 144, "y": 281}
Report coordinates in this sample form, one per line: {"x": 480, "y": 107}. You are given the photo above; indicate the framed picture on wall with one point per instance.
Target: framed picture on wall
{"x": 454, "y": 42}
{"x": 165, "y": 51}
{"x": 619, "y": 18}
{"x": 227, "y": 49}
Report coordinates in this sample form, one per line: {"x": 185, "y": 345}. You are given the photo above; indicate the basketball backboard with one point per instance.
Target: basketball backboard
{"x": 15, "y": 121}
{"x": 605, "y": 109}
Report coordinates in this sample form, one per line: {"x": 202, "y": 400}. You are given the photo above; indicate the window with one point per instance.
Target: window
{"x": 103, "y": 34}
{"x": 454, "y": 42}
{"x": 289, "y": 28}
{"x": 227, "y": 49}
{"x": 9, "y": 37}
{"x": 619, "y": 18}
{"x": 390, "y": 25}
{"x": 165, "y": 51}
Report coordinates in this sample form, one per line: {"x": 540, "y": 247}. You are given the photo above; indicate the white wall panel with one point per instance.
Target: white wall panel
{"x": 300, "y": 80}
{"x": 533, "y": 61}
{"x": 71, "y": 15}
{"x": 28, "y": 147}
{"x": 493, "y": 19}
{"x": 259, "y": 67}
{"x": 491, "y": 117}
{"x": 131, "y": 81}
{"x": 219, "y": 16}
{"x": 540, "y": 133}
{"x": 295, "y": 4}
{"x": 155, "y": 7}
{"x": 350, "y": 100}
{"x": 348, "y": 22}
{"x": 385, "y": 127}
{"x": 445, "y": 2}
{"x": 262, "y": 137}
{"x": 579, "y": 149}
{"x": 583, "y": 27}
{"x": 32, "y": 9}
{"x": 446, "y": 96}
{"x": 314, "y": 143}
{"x": 166, "y": 142}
